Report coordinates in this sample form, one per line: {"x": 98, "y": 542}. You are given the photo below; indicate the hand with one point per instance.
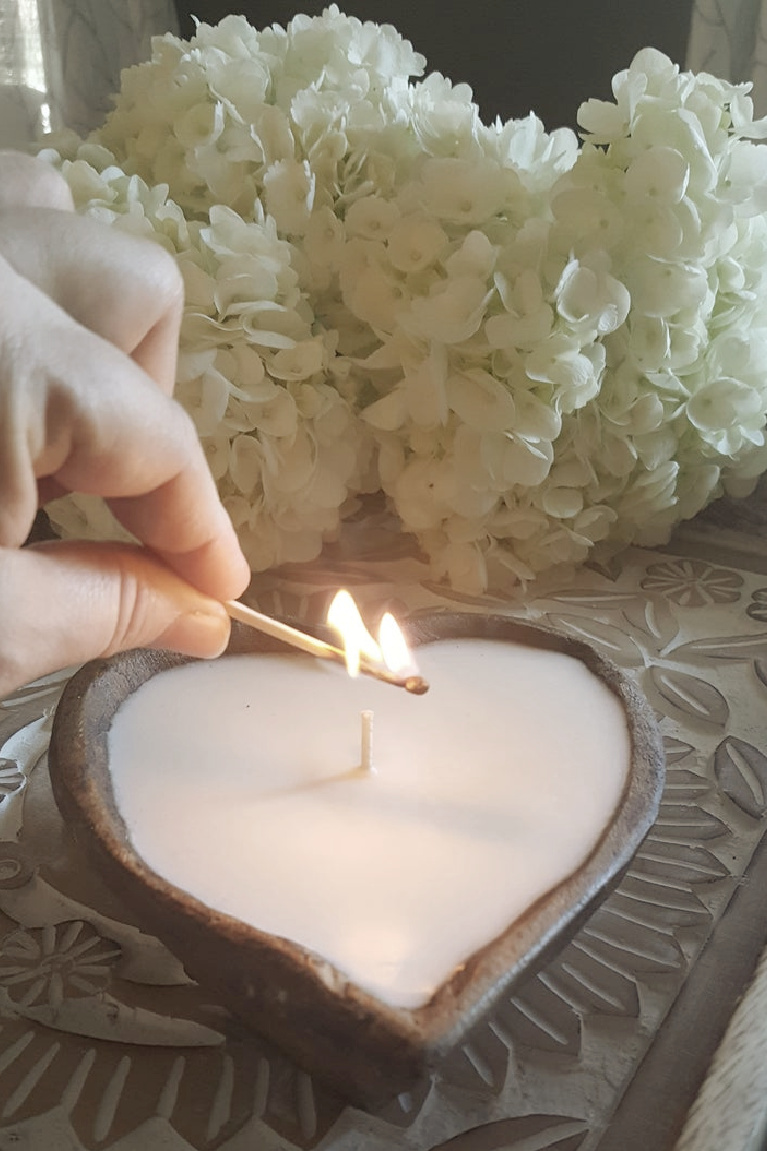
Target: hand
{"x": 88, "y": 341}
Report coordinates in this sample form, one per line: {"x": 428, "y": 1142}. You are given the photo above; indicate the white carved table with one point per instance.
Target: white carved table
{"x": 106, "y": 1046}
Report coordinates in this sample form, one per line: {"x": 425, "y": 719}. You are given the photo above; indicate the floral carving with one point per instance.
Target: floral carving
{"x": 693, "y": 583}
{"x": 11, "y": 778}
{"x": 50, "y": 964}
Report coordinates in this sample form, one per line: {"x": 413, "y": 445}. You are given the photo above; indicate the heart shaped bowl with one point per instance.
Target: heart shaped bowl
{"x": 359, "y": 1046}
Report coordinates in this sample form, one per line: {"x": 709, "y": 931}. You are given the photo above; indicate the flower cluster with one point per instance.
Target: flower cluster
{"x": 533, "y": 347}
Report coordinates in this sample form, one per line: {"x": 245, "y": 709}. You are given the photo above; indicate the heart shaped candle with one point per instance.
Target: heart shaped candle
{"x": 362, "y": 919}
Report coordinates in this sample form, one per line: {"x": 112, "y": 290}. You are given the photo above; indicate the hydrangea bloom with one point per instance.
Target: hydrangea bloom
{"x": 536, "y": 349}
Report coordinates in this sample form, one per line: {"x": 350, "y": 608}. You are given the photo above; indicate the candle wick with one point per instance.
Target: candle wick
{"x": 366, "y": 760}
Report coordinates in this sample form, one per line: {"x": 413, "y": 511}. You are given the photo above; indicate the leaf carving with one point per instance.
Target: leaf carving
{"x": 524, "y": 1133}
{"x": 654, "y": 617}
{"x": 595, "y": 599}
{"x": 591, "y": 985}
{"x": 741, "y": 771}
{"x": 693, "y": 697}
{"x": 683, "y": 785}
{"x": 723, "y": 647}
{"x": 404, "y": 1109}
{"x": 613, "y": 642}
{"x": 689, "y": 823}
{"x": 655, "y": 903}
{"x": 675, "y": 749}
{"x": 677, "y": 862}
{"x": 631, "y": 946}
{"x": 481, "y": 1062}
{"x": 537, "y": 1017}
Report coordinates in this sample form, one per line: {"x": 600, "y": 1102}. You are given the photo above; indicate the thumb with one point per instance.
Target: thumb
{"x": 64, "y": 603}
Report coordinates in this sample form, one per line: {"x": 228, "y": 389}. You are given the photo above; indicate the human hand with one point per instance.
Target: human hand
{"x": 88, "y": 340}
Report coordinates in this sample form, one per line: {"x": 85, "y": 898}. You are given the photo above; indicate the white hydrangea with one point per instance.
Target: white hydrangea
{"x": 537, "y": 349}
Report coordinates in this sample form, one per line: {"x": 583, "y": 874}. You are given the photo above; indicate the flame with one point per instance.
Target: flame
{"x": 396, "y": 654}
{"x": 344, "y": 616}
{"x": 390, "y": 652}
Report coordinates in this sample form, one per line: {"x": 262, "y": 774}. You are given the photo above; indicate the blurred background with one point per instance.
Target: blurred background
{"x": 517, "y": 55}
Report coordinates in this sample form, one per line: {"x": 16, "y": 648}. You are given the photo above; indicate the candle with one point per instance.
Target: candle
{"x": 238, "y": 781}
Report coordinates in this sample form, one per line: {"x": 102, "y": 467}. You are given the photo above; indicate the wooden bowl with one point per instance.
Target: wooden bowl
{"x": 359, "y": 1046}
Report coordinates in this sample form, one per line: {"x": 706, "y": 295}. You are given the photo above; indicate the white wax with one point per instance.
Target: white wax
{"x": 239, "y": 782}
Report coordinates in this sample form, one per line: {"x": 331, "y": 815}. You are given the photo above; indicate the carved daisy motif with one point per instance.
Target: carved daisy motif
{"x": 11, "y": 778}
{"x": 67, "y": 960}
{"x": 693, "y": 583}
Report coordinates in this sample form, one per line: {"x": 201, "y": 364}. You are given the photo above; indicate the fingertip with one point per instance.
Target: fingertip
{"x": 235, "y": 571}
{"x": 218, "y": 568}
{"x": 241, "y": 577}
{"x": 62, "y": 603}
{"x": 184, "y": 523}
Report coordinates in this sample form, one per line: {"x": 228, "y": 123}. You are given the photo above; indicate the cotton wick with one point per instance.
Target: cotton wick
{"x": 366, "y": 758}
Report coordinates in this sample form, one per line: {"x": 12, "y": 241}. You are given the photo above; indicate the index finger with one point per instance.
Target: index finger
{"x": 138, "y": 449}
{"x": 83, "y": 414}
{"x": 124, "y": 288}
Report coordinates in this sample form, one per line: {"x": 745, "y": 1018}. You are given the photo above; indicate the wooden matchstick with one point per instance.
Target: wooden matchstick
{"x": 266, "y": 624}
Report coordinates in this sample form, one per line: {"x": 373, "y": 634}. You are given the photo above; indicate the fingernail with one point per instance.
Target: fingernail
{"x": 199, "y": 633}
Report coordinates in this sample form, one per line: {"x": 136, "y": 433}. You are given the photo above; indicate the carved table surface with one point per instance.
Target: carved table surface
{"x": 105, "y": 1045}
